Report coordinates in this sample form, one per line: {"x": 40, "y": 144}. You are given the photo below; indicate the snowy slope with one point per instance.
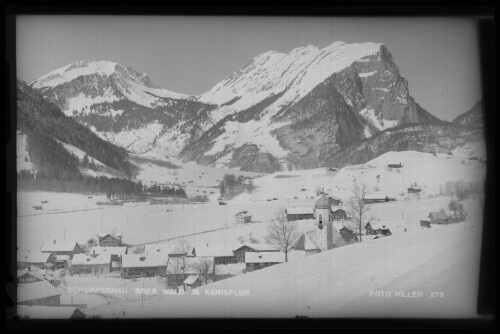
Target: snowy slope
{"x": 342, "y": 282}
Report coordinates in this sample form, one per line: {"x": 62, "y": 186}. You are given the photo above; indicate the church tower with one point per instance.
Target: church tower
{"x": 322, "y": 210}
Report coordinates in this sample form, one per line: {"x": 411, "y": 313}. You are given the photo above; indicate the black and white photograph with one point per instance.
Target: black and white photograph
{"x": 248, "y": 167}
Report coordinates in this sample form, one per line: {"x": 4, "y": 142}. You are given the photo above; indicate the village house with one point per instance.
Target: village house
{"x": 221, "y": 254}
{"x": 395, "y": 165}
{"x": 299, "y": 213}
{"x": 334, "y": 201}
{"x": 37, "y": 259}
{"x": 49, "y": 312}
{"x": 144, "y": 265}
{"x": 243, "y": 217}
{"x": 111, "y": 239}
{"x": 425, "y": 224}
{"x": 61, "y": 248}
{"x": 373, "y": 199}
{"x": 438, "y": 218}
{"x": 368, "y": 229}
{"x": 239, "y": 252}
{"x": 91, "y": 264}
{"x": 38, "y": 293}
{"x": 254, "y": 261}
{"x": 381, "y": 229}
{"x": 29, "y": 276}
{"x": 338, "y": 213}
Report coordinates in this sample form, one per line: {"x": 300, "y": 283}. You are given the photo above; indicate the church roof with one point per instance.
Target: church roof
{"x": 322, "y": 203}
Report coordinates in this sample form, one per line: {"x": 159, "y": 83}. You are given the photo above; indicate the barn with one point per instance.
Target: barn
{"x": 49, "y": 312}
{"x": 61, "y": 248}
{"x": 239, "y": 253}
{"x": 37, "y": 259}
{"x": 254, "y": 261}
{"x": 144, "y": 265}
{"x": 414, "y": 190}
{"x": 299, "y": 213}
{"x": 91, "y": 264}
{"x": 338, "y": 213}
{"x": 116, "y": 253}
{"x": 395, "y": 165}
{"x": 38, "y": 293}
{"x": 221, "y": 254}
{"x": 438, "y": 218}
{"x": 111, "y": 239}
{"x": 243, "y": 217}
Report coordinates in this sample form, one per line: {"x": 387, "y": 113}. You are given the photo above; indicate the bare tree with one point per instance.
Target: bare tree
{"x": 205, "y": 268}
{"x": 282, "y": 233}
{"x": 357, "y": 207}
{"x": 177, "y": 265}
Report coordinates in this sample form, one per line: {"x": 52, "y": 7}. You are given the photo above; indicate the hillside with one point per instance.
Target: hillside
{"x": 472, "y": 118}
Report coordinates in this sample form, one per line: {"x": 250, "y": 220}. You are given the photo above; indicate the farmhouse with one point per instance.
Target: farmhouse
{"x": 438, "y": 218}
{"x": 395, "y": 165}
{"x": 38, "y": 293}
{"x": 49, "y": 312}
{"x": 243, "y": 217}
{"x": 299, "y": 213}
{"x": 111, "y": 239}
{"x": 221, "y": 254}
{"x": 368, "y": 229}
{"x": 26, "y": 276}
{"x": 254, "y": 261}
{"x": 37, "y": 259}
{"x": 380, "y": 228}
{"x": 144, "y": 265}
{"x": 61, "y": 248}
{"x": 239, "y": 253}
{"x": 85, "y": 264}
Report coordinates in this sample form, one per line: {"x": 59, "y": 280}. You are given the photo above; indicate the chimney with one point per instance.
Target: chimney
{"x": 329, "y": 235}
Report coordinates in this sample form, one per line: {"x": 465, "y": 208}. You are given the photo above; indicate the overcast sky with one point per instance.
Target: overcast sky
{"x": 438, "y": 56}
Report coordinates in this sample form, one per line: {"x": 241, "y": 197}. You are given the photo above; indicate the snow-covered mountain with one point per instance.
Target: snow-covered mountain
{"x": 281, "y": 110}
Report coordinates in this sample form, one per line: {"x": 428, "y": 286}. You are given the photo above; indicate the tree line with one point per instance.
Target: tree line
{"x": 165, "y": 190}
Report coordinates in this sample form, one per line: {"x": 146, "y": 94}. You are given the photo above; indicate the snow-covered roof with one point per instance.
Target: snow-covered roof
{"x": 34, "y": 257}
{"x": 147, "y": 259}
{"x": 84, "y": 259}
{"x": 120, "y": 251}
{"x": 60, "y": 258}
{"x": 34, "y": 273}
{"x": 437, "y": 215}
{"x": 191, "y": 279}
{"x": 213, "y": 251}
{"x": 242, "y": 213}
{"x": 274, "y": 257}
{"x": 46, "y": 312}
{"x": 300, "y": 211}
{"x": 393, "y": 225}
{"x": 322, "y": 203}
{"x": 170, "y": 248}
{"x": 68, "y": 246}
{"x": 35, "y": 291}
{"x": 336, "y": 208}
{"x": 259, "y": 247}
{"x": 114, "y": 234}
